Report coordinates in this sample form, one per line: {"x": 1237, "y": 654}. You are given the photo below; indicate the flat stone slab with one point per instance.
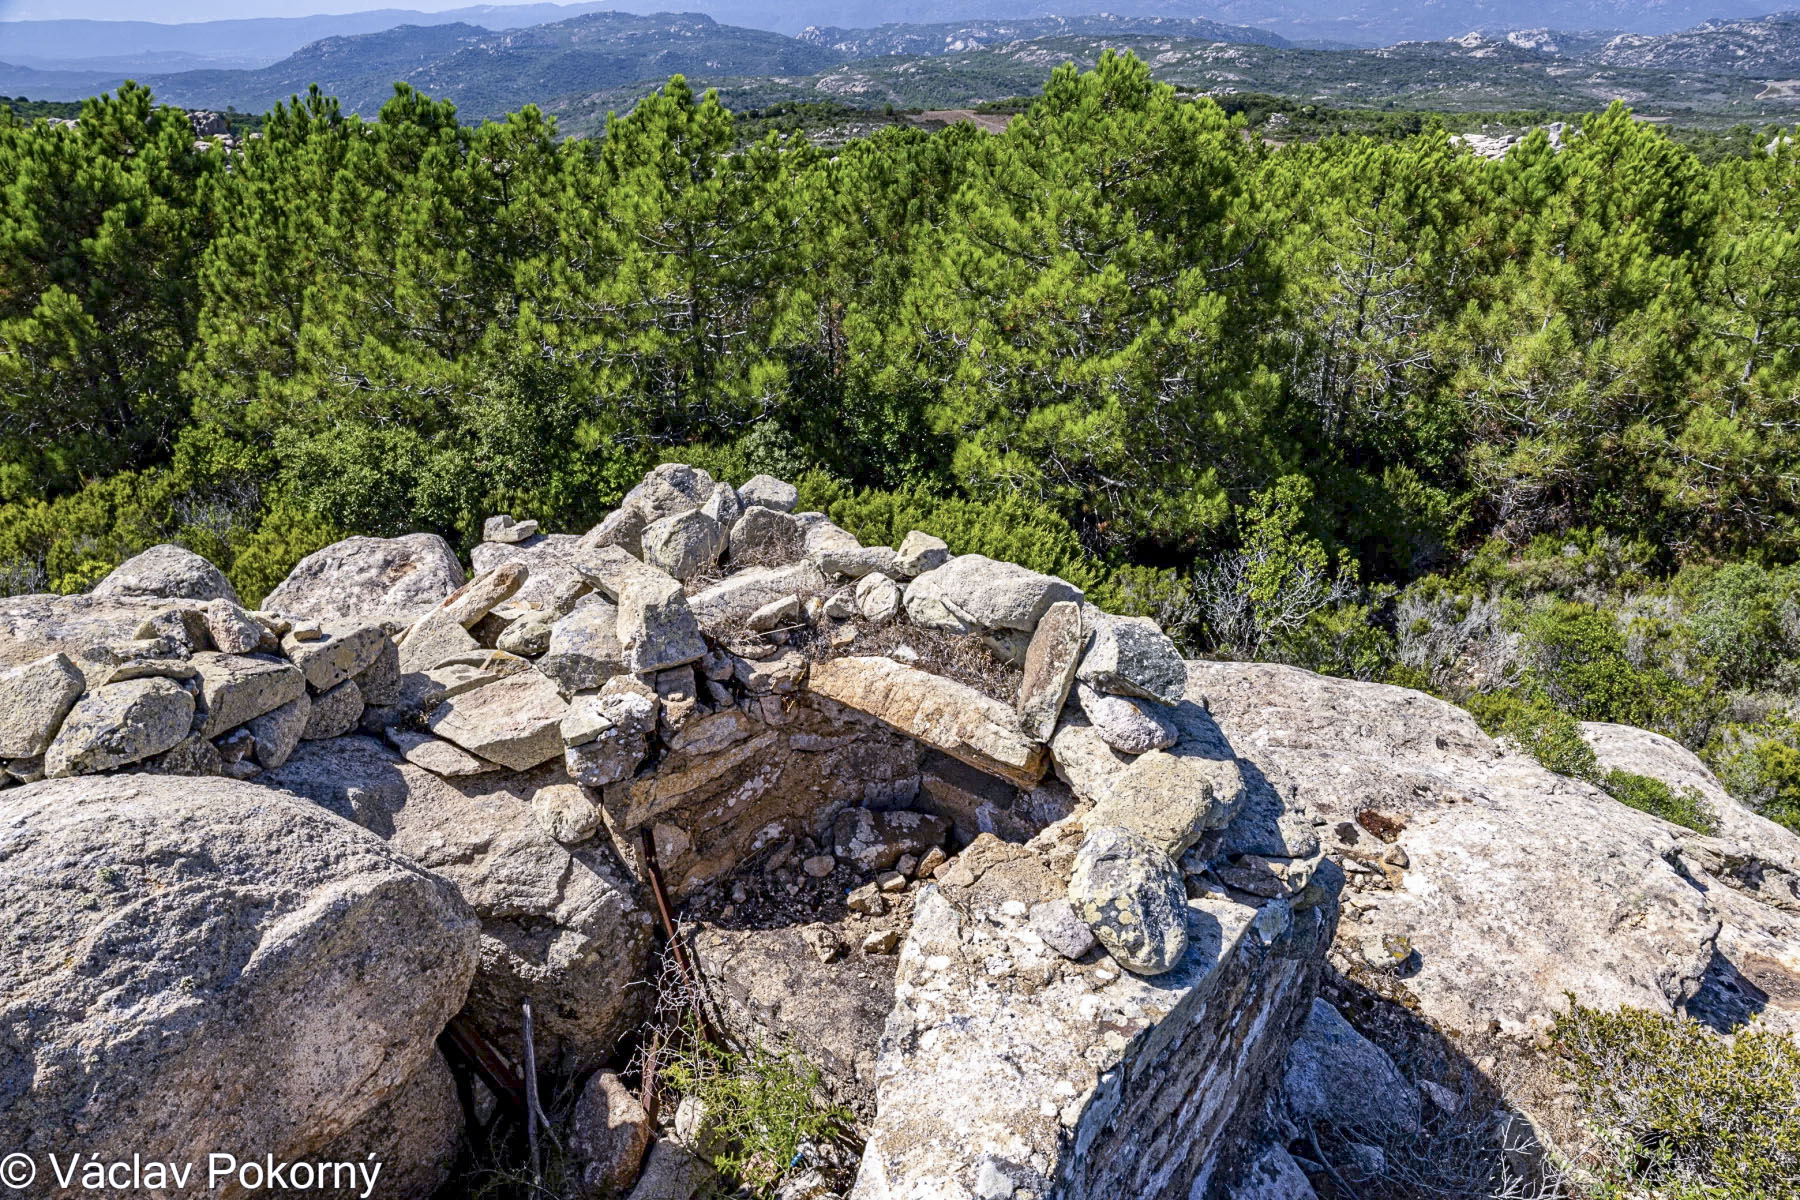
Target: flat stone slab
{"x": 942, "y": 713}
{"x": 238, "y": 688}
{"x": 1005, "y": 1068}
{"x": 515, "y": 721}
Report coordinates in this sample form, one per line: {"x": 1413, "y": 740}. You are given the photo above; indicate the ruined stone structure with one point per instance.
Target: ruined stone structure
{"x": 973, "y": 845}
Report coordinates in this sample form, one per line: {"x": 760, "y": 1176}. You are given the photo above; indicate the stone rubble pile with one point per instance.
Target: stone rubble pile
{"x": 696, "y": 690}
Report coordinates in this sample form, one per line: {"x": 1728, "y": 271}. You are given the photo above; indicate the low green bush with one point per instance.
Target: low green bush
{"x": 761, "y": 1106}
{"x": 1683, "y": 806}
{"x": 1676, "y": 1110}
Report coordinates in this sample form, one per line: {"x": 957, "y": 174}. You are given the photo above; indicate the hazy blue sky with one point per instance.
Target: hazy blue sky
{"x": 201, "y": 10}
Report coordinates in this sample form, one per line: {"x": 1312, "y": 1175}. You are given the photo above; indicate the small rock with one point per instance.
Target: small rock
{"x": 1127, "y": 724}
{"x": 823, "y": 941}
{"x": 504, "y": 529}
{"x": 436, "y": 755}
{"x": 334, "y": 713}
{"x": 819, "y": 866}
{"x": 565, "y": 813}
{"x": 193, "y": 755}
{"x": 608, "y": 1135}
{"x": 527, "y": 638}
{"x": 232, "y": 629}
{"x": 1061, "y": 928}
{"x": 842, "y": 605}
{"x": 1394, "y": 856}
{"x": 881, "y": 941}
{"x": 1131, "y": 656}
{"x": 908, "y": 865}
{"x": 867, "y": 900}
{"x": 877, "y": 598}
{"x": 891, "y": 881}
{"x": 919, "y": 553}
{"x": 930, "y": 861}
{"x": 766, "y": 491}
{"x": 305, "y": 631}
{"x": 775, "y": 614}
{"x": 275, "y": 734}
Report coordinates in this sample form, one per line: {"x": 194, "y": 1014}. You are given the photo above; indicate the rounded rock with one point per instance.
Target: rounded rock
{"x": 1132, "y": 896}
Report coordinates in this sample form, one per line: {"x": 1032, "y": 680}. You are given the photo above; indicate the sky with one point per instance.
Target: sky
{"x": 174, "y": 11}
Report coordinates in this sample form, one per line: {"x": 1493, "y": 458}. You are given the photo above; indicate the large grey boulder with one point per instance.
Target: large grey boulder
{"x": 34, "y": 699}
{"x": 561, "y": 926}
{"x": 1132, "y": 896}
{"x": 369, "y": 579}
{"x": 973, "y": 593}
{"x": 169, "y": 573}
{"x": 1335, "y": 1074}
{"x": 119, "y": 724}
{"x": 259, "y": 973}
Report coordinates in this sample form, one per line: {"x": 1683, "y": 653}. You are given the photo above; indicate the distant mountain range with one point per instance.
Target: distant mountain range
{"x": 74, "y": 45}
{"x": 581, "y": 67}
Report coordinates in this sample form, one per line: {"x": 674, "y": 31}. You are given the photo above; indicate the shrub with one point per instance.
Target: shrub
{"x": 1539, "y": 728}
{"x": 1760, "y": 766}
{"x": 760, "y": 1105}
{"x": 1679, "y": 1109}
{"x": 1738, "y": 620}
{"x": 1686, "y": 807}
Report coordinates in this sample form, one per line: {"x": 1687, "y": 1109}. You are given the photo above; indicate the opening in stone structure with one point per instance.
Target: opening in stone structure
{"x": 792, "y": 847}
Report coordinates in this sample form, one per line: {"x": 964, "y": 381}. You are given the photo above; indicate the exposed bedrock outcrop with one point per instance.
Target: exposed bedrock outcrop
{"x": 1486, "y": 887}
{"x": 200, "y": 965}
